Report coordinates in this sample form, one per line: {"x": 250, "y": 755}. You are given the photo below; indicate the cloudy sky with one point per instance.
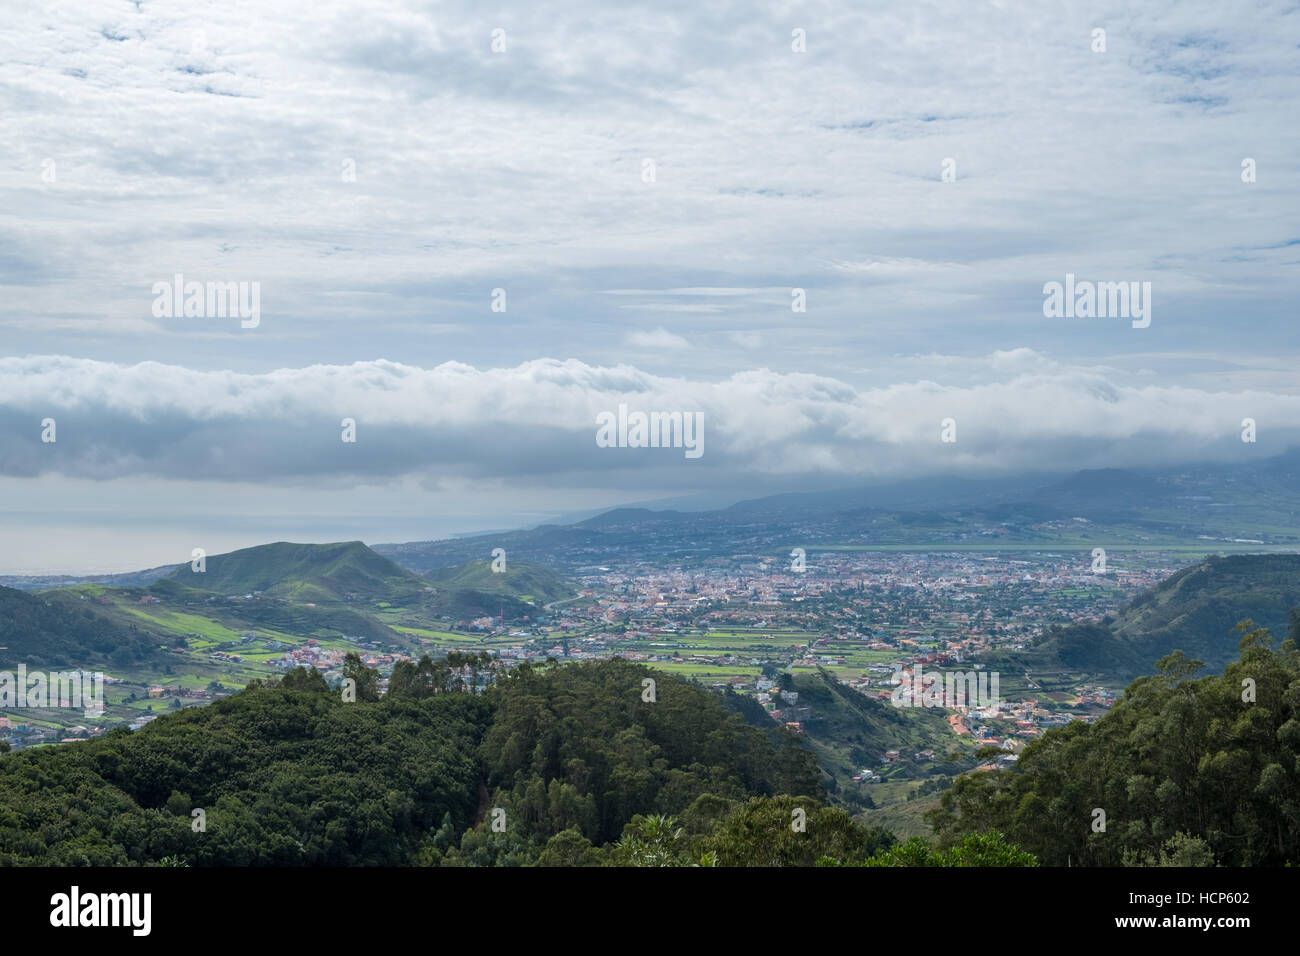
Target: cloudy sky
{"x": 646, "y": 185}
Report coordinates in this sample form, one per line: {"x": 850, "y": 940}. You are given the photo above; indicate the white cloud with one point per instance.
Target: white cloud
{"x": 224, "y": 160}
{"x": 658, "y": 339}
{"x": 538, "y": 419}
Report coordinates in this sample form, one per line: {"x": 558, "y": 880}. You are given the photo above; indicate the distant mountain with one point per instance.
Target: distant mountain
{"x": 42, "y": 582}
{"x": 61, "y": 631}
{"x": 918, "y": 494}
{"x": 1218, "y": 505}
{"x": 320, "y": 573}
{"x": 1195, "y": 611}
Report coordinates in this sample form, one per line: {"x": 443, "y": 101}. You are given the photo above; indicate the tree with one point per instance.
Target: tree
{"x": 651, "y": 841}
{"x": 1203, "y": 771}
{"x": 305, "y": 678}
{"x": 791, "y": 831}
{"x": 976, "y": 849}
{"x": 367, "y": 678}
{"x": 569, "y": 848}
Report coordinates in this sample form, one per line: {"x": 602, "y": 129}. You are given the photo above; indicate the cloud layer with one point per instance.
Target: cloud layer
{"x": 535, "y": 423}
{"x": 646, "y": 185}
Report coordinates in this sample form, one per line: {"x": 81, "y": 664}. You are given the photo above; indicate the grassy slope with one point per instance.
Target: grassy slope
{"x": 475, "y": 590}
{"x": 328, "y": 573}
{"x": 1195, "y": 611}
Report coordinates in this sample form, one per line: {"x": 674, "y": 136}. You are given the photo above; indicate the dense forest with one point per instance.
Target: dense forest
{"x": 558, "y": 765}
{"x": 1183, "y": 771}
{"x": 604, "y": 763}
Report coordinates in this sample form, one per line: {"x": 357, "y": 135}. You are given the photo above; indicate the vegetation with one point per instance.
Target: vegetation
{"x": 847, "y": 730}
{"x": 975, "y": 849}
{"x": 342, "y": 572}
{"x": 1182, "y": 771}
{"x": 57, "y": 631}
{"x": 551, "y": 766}
{"x": 1190, "y": 611}
{"x": 524, "y": 581}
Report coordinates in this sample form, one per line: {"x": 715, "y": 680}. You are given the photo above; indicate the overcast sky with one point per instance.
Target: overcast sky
{"x": 379, "y": 170}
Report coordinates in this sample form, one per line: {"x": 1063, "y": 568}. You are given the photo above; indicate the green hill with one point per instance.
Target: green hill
{"x": 59, "y": 631}
{"x": 473, "y": 590}
{"x": 343, "y": 572}
{"x": 527, "y": 582}
{"x": 1189, "y": 771}
{"x": 293, "y": 775}
{"x": 1195, "y": 611}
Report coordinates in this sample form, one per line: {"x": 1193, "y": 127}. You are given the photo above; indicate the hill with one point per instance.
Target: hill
{"x": 849, "y": 732}
{"x": 525, "y": 582}
{"x": 1195, "y": 611}
{"x": 344, "y": 572}
{"x": 1189, "y": 771}
{"x": 59, "y": 631}
{"x": 472, "y": 590}
{"x": 292, "y": 775}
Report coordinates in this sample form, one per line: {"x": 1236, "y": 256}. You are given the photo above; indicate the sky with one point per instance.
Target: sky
{"x": 471, "y": 230}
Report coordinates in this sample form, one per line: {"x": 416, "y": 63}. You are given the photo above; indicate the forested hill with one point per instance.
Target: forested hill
{"x": 1194, "y": 611}
{"x": 565, "y": 758}
{"x": 57, "y": 630}
{"x": 1182, "y": 772}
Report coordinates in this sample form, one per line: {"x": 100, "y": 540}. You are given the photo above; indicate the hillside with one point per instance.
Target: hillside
{"x": 57, "y": 631}
{"x": 344, "y": 572}
{"x": 1195, "y": 611}
{"x": 1197, "y": 773}
{"x": 849, "y": 732}
{"x": 292, "y": 775}
{"x": 523, "y": 582}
